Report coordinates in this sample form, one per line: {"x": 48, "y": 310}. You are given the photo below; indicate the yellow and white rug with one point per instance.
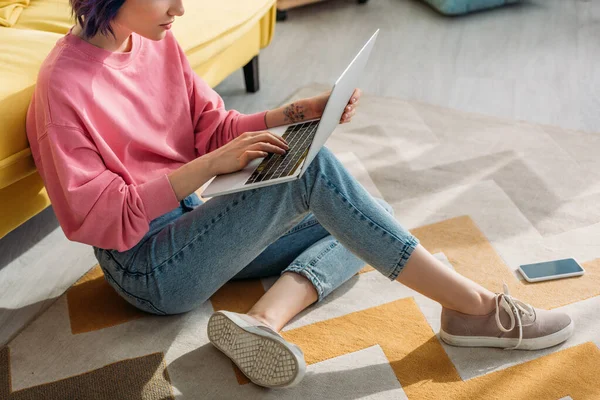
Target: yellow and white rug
{"x": 483, "y": 194}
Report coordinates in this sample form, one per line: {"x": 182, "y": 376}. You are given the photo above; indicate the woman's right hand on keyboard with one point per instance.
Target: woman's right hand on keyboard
{"x": 236, "y": 154}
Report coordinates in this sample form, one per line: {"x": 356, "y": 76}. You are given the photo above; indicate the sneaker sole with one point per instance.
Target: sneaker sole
{"x": 267, "y": 360}
{"x": 526, "y": 344}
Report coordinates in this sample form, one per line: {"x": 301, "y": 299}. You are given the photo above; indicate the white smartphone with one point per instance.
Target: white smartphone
{"x": 548, "y": 270}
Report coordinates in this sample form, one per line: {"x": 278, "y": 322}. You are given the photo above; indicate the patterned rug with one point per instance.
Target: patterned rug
{"x": 483, "y": 194}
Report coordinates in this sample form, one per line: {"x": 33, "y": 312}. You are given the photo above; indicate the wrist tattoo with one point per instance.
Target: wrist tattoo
{"x": 294, "y": 113}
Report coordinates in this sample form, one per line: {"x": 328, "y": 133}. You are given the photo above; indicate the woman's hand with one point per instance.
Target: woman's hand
{"x": 238, "y": 153}
{"x": 318, "y": 105}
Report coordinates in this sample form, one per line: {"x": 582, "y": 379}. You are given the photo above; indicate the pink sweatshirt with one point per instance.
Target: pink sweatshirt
{"x": 106, "y": 128}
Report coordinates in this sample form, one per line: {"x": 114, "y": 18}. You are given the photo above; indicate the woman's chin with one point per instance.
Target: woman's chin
{"x": 156, "y": 36}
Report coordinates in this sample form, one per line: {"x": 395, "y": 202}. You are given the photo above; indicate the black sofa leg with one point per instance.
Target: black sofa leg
{"x": 251, "y": 75}
{"x": 281, "y": 15}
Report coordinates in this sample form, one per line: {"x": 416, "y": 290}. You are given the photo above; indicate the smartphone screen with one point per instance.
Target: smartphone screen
{"x": 550, "y": 268}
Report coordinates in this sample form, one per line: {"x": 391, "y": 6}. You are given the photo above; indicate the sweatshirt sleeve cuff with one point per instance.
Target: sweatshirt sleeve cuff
{"x": 158, "y": 197}
{"x": 252, "y": 122}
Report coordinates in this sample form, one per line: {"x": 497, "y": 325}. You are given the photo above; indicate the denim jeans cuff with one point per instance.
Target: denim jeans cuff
{"x": 405, "y": 253}
{"x": 307, "y": 273}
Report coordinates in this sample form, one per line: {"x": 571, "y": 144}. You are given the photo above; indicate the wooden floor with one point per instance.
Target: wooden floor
{"x": 536, "y": 61}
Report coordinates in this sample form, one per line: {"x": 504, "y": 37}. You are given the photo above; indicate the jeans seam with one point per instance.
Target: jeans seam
{"x": 353, "y": 206}
{"x": 408, "y": 245}
{"x": 308, "y": 268}
{"x": 195, "y": 238}
{"x": 305, "y": 225}
{"x": 107, "y": 273}
{"x": 319, "y": 256}
{"x": 121, "y": 267}
{"x": 405, "y": 254}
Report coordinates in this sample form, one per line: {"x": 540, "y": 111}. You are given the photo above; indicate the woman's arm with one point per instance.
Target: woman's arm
{"x": 93, "y": 204}
{"x": 298, "y": 111}
{"x": 190, "y": 177}
{"x": 309, "y": 108}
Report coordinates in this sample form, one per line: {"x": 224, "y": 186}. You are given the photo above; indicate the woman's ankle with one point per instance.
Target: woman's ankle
{"x": 483, "y": 304}
{"x": 262, "y": 319}
{"x": 487, "y": 304}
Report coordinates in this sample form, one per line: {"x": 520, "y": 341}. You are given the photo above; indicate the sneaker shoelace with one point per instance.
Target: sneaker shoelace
{"x": 518, "y": 308}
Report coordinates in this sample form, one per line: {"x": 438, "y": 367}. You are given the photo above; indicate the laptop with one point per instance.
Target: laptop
{"x": 304, "y": 139}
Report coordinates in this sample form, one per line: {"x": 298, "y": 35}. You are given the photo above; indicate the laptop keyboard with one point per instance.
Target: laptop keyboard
{"x": 299, "y": 138}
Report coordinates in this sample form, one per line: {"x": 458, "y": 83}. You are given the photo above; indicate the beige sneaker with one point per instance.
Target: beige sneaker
{"x": 512, "y": 325}
{"x": 262, "y": 354}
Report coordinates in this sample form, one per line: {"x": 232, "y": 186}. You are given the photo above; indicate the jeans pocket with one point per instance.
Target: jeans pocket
{"x": 112, "y": 273}
{"x": 118, "y": 259}
{"x": 122, "y": 260}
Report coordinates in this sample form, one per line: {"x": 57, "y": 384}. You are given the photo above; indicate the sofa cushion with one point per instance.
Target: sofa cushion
{"x": 214, "y": 44}
{"x": 221, "y": 22}
{"x": 10, "y": 10}
{"x": 214, "y": 21}
{"x": 21, "y": 54}
{"x": 47, "y": 15}
{"x": 203, "y": 22}
{"x": 205, "y": 29}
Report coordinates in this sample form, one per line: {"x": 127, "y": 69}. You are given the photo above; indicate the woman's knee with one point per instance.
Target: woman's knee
{"x": 326, "y": 157}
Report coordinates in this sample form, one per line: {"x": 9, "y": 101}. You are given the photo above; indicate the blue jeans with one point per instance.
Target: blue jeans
{"x": 324, "y": 226}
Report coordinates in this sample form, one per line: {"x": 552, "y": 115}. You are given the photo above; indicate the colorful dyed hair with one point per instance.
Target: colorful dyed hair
{"x": 95, "y": 15}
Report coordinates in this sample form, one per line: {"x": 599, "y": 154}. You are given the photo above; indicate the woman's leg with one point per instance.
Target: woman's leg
{"x": 299, "y": 291}
{"x": 471, "y": 314}
{"x": 312, "y": 264}
{"x": 187, "y": 261}
{"x": 423, "y": 273}
{"x": 429, "y": 276}
{"x": 290, "y": 294}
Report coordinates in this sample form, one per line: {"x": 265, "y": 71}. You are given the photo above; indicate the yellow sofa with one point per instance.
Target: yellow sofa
{"x": 218, "y": 37}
